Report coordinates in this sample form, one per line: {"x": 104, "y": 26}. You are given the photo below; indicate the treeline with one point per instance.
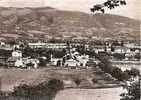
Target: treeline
{"x": 116, "y": 72}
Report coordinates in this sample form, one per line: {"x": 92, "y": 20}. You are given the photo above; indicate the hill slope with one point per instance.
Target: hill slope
{"x": 46, "y": 23}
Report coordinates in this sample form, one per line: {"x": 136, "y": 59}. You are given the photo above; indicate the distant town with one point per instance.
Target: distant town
{"x": 63, "y": 53}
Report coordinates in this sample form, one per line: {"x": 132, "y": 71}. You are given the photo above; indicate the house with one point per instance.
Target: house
{"x": 83, "y": 59}
{"x": 56, "y": 61}
{"x": 71, "y": 63}
{"x": 76, "y": 60}
{"x": 16, "y": 46}
{"x": 56, "y": 45}
{"x": 2, "y": 44}
{"x": 16, "y": 53}
{"x": 98, "y": 49}
{"x": 30, "y": 62}
{"x": 120, "y": 50}
{"x": 15, "y": 59}
{"x": 47, "y": 45}
{"x": 15, "y": 62}
{"x": 37, "y": 45}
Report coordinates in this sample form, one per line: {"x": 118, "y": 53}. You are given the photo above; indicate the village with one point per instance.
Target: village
{"x": 68, "y": 54}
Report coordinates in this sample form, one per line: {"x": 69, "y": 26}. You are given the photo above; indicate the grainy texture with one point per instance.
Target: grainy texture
{"x": 90, "y": 94}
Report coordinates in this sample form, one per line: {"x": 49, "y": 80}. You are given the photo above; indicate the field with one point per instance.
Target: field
{"x": 90, "y": 94}
{"x": 13, "y": 77}
{"x": 85, "y": 91}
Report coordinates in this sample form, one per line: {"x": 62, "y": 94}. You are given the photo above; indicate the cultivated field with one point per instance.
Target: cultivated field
{"x": 14, "y": 77}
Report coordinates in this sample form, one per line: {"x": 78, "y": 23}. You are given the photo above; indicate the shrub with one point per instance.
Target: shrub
{"x": 77, "y": 81}
{"x": 22, "y": 90}
{"x": 133, "y": 91}
{"x": 137, "y": 56}
{"x": 133, "y": 72}
{"x": 55, "y": 85}
{"x": 119, "y": 56}
{"x": 94, "y": 81}
{"x": 42, "y": 62}
{"x": 119, "y": 74}
{"x": 45, "y": 89}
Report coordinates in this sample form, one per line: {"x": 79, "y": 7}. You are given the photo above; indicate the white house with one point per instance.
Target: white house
{"x": 2, "y": 43}
{"x": 48, "y": 45}
{"x": 120, "y": 50}
{"x": 54, "y": 61}
{"x": 71, "y": 63}
{"x": 37, "y": 45}
{"x": 77, "y": 60}
{"x": 83, "y": 60}
{"x": 15, "y": 61}
{"x": 98, "y": 49}
{"x": 16, "y": 53}
{"x": 16, "y": 46}
{"x": 19, "y": 63}
{"x": 27, "y": 61}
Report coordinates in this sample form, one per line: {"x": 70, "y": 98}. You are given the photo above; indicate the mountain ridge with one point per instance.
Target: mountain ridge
{"x": 47, "y": 23}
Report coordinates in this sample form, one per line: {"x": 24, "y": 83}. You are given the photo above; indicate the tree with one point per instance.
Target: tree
{"x": 132, "y": 91}
{"x": 45, "y": 89}
{"x": 77, "y": 81}
{"x": 133, "y": 72}
{"x": 110, "y": 4}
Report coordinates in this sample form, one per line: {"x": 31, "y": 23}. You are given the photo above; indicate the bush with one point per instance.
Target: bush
{"x": 55, "y": 85}
{"x": 119, "y": 74}
{"x": 77, "y": 81}
{"x": 133, "y": 91}
{"x": 137, "y": 56}
{"x": 42, "y": 62}
{"x": 46, "y": 89}
{"x": 119, "y": 56}
{"x": 133, "y": 72}
{"x": 94, "y": 81}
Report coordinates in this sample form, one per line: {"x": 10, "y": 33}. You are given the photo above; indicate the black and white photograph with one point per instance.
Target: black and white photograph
{"x": 70, "y": 49}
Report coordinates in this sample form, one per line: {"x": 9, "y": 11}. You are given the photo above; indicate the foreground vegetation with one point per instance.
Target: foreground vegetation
{"x": 42, "y": 91}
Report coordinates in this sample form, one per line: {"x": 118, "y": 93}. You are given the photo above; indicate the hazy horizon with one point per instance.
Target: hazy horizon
{"x": 132, "y": 9}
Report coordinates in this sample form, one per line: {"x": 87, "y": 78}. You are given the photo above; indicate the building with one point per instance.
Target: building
{"x": 37, "y": 45}
{"x": 2, "y": 44}
{"x": 47, "y": 45}
{"x": 99, "y": 49}
{"x": 17, "y": 53}
{"x": 30, "y": 62}
{"x": 71, "y": 63}
{"x": 76, "y": 60}
{"x": 15, "y": 62}
{"x": 120, "y": 50}
{"x": 56, "y": 62}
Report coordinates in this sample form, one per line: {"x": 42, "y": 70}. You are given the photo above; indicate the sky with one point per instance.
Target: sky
{"x": 132, "y": 9}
